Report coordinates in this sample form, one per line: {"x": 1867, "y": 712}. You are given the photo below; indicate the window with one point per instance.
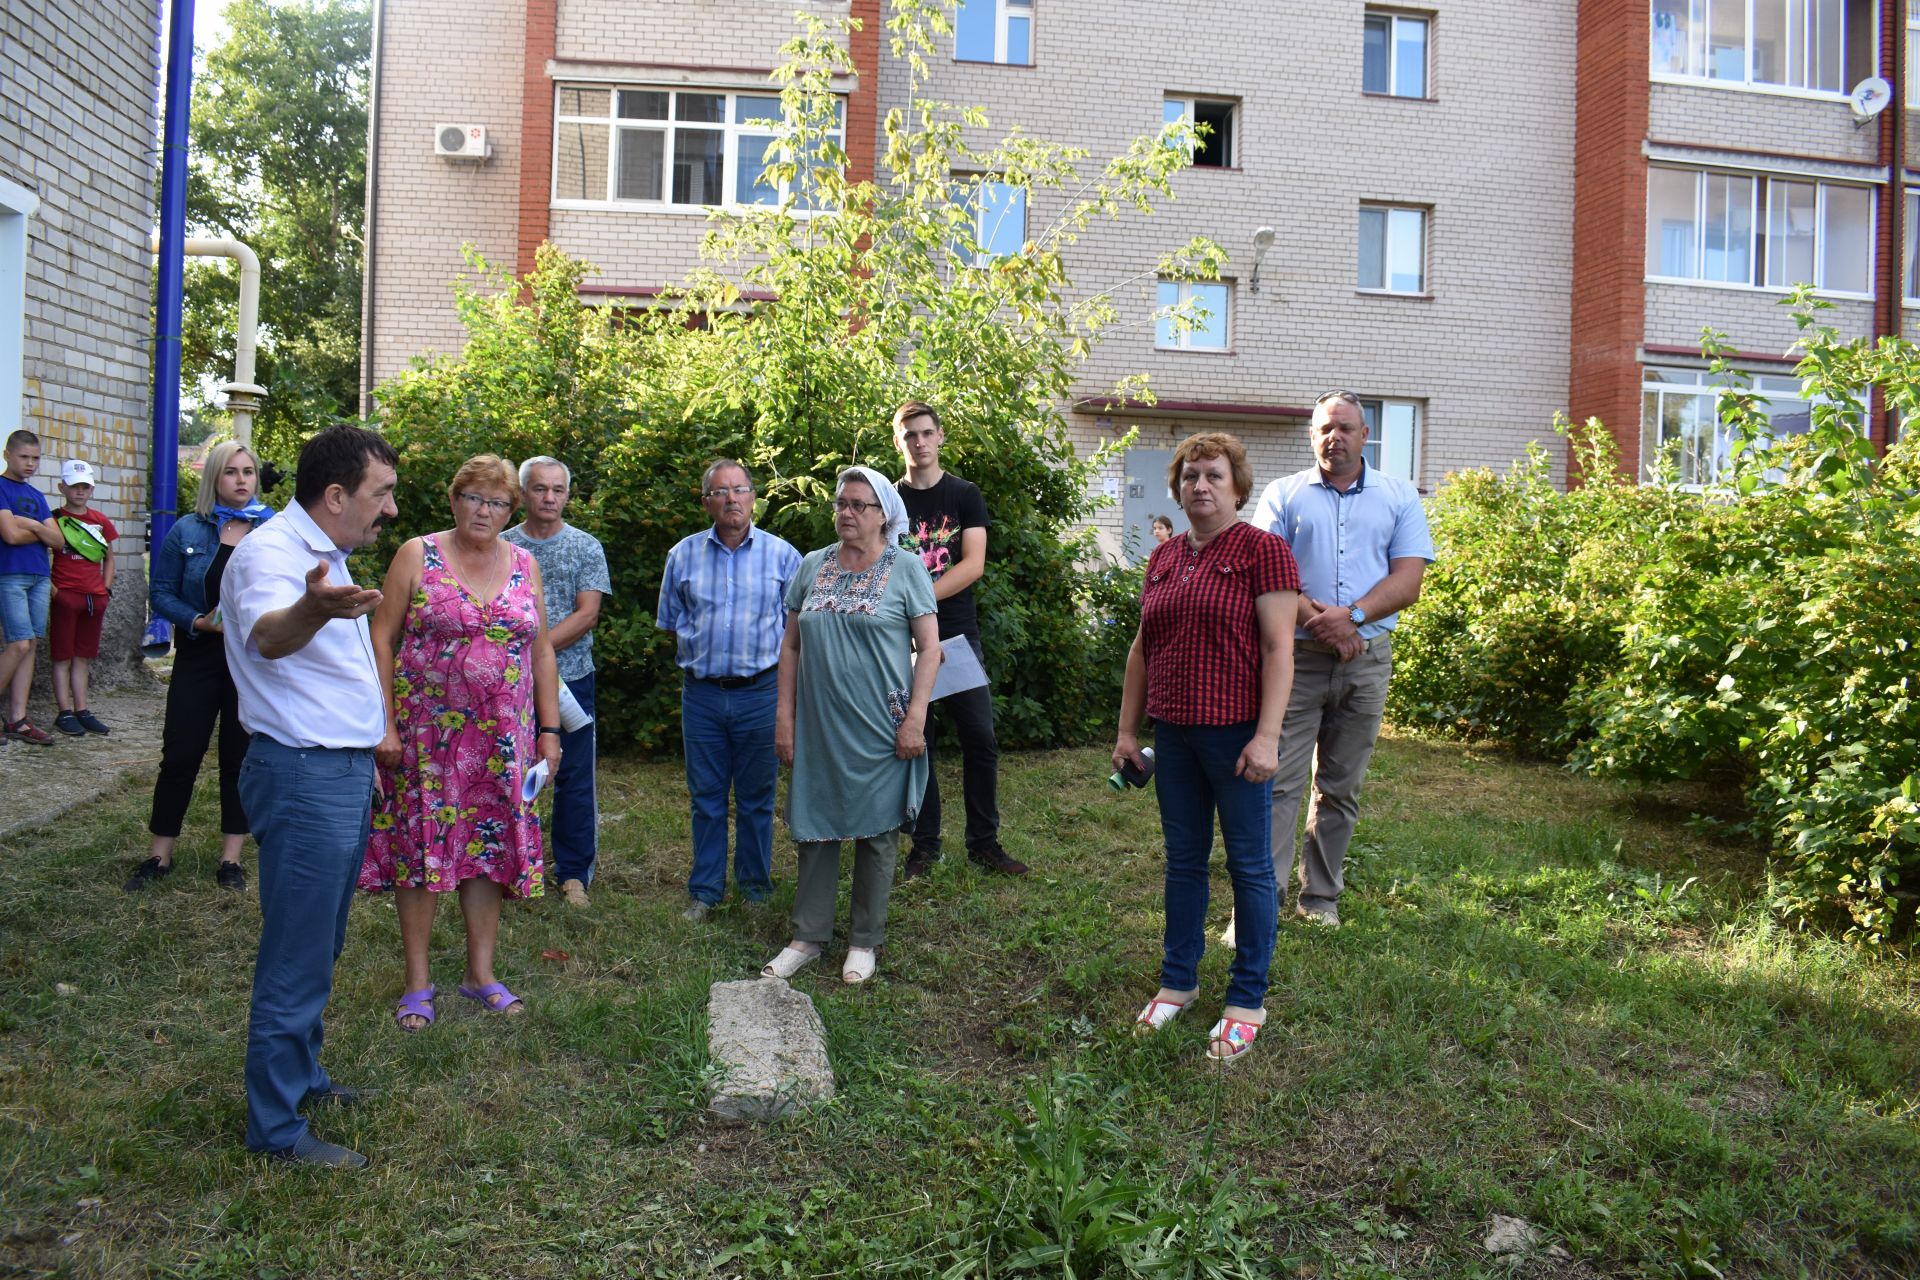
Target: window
{"x": 1913, "y": 48}
{"x": 1826, "y": 46}
{"x": 1391, "y": 429}
{"x": 17, "y": 204}
{"x": 669, "y": 147}
{"x": 1204, "y": 304}
{"x": 1759, "y": 231}
{"x": 999, "y": 220}
{"x": 994, "y": 31}
{"x": 1393, "y": 249}
{"x": 1680, "y": 414}
{"x": 1394, "y": 55}
{"x": 1214, "y": 117}
{"x": 1912, "y": 272}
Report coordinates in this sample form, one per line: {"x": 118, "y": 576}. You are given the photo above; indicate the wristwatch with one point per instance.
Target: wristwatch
{"x": 1358, "y": 614}
{"x": 553, "y": 729}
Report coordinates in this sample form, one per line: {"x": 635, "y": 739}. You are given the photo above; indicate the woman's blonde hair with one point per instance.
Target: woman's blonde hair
{"x": 490, "y": 470}
{"x": 217, "y": 459}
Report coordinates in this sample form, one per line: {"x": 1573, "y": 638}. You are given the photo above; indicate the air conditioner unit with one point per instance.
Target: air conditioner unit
{"x": 460, "y": 141}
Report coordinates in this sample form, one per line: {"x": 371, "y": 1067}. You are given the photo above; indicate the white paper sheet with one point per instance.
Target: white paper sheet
{"x": 960, "y": 671}
{"x": 535, "y": 779}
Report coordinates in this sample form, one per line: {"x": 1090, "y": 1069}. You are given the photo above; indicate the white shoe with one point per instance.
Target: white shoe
{"x": 574, "y": 892}
{"x": 789, "y": 962}
{"x": 859, "y": 966}
{"x": 1227, "y": 934}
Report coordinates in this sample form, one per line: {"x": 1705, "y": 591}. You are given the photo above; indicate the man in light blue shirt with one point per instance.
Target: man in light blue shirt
{"x": 1360, "y": 538}
{"x": 722, "y": 595}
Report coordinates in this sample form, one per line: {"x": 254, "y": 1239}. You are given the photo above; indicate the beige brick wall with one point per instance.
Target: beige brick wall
{"x": 698, "y": 33}
{"x": 1750, "y": 319}
{"x": 1713, "y": 116}
{"x": 441, "y": 61}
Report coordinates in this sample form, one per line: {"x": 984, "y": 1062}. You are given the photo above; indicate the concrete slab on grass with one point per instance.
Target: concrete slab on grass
{"x": 771, "y": 1048}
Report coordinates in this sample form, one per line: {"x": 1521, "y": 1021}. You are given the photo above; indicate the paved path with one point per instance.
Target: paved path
{"x": 39, "y": 784}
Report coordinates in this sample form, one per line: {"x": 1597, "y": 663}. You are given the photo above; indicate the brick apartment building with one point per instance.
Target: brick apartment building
{"x": 78, "y": 91}
{"x": 1449, "y": 243}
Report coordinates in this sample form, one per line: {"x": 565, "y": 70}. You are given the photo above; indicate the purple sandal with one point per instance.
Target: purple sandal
{"x": 416, "y": 1004}
{"x": 494, "y": 996}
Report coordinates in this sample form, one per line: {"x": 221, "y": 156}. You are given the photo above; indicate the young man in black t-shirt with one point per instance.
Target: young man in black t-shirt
{"x": 947, "y": 528}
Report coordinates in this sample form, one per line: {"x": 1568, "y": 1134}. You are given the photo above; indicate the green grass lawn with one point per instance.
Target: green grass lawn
{"x": 1523, "y": 1015}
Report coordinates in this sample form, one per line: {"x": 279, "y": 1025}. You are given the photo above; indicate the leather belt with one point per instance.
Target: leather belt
{"x": 1314, "y": 646}
{"x": 733, "y": 682}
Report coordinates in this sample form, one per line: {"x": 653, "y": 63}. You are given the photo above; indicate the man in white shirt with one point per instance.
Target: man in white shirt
{"x": 310, "y": 696}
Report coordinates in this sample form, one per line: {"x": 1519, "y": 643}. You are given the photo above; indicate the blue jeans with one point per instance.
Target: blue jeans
{"x": 573, "y": 837}
{"x": 729, "y": 745}
{"x": 1193, "y": 777}
{"x": 23, "y": 606}
{"x": 310, "y": 810}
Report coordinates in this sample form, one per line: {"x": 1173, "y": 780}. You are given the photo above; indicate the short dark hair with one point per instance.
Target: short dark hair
{"x": 340, "y": 455}
{"x": 915, "y": 409}
{"x": 20, "y": 437}
{"x": 1165, "y": 520}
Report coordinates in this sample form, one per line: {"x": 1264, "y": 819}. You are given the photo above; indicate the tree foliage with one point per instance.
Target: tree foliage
{"x": 278, "y": 148}
{"x": 789, "y": 348}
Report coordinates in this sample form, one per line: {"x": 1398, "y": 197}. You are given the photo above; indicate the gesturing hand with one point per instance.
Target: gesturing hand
{"x": 337, "y": 602}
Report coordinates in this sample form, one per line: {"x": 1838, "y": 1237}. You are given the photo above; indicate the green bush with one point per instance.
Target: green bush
{"x": 790, "y": 352}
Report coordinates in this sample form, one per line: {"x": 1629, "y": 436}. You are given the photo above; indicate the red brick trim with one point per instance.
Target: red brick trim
{"x": 1741, "y": 357}
{"x": 863, "y": 104}
{"x": 536, "y": 132}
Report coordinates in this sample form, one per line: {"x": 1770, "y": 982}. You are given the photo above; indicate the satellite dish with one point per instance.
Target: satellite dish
{"x": 1870, "y": 97}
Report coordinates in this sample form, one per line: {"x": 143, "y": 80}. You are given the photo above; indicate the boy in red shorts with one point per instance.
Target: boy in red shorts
{"x": 82, "y": 582}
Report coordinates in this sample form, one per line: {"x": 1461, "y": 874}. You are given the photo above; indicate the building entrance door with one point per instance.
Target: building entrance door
{"x": 1143, "y": 497}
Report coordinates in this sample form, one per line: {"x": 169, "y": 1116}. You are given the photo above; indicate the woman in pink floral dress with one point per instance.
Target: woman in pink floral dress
{"x": 461, "y": 635}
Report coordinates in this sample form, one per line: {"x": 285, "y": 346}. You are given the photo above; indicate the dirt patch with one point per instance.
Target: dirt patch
{"x": 39, "y": 784}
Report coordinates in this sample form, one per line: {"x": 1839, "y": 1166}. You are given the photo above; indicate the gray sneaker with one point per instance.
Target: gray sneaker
{"x": 313, "y": 1153}
{"x": 1325, "y": 919}
{"x": 696, "y": 911}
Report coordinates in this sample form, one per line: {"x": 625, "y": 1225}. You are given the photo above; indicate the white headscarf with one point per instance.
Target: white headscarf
{"x": 892, "y": 509}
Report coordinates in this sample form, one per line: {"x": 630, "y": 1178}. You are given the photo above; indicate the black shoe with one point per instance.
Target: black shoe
{"x": 230, "y": 875}
{"x": 69, "y": 724}
{"x": 91, "y": 723}
{"x": 146, "y": 873}
{"x": 315, "y": 1154}
{"x": 339, "y": 1095}
{"x": 919, "y": 862}
{"x": 994, "y": 858}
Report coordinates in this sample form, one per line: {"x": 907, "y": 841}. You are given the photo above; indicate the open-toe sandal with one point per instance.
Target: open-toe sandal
{"x": 494, "y": 996}
{"x": 1230, "y": 1039}
{"x": 416, "y": 1004}
{"x": 1157, "y": 1014}
{"x": 789, "y": 962}
{"x": 859, "y": 965}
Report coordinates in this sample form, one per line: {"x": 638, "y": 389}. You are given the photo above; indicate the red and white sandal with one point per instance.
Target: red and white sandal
{"x": 1230, "y": 1039}
{"x": 1156, "y": 1015}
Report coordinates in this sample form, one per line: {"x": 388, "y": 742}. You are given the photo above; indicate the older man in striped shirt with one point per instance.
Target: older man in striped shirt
{"x": 722, "y": 595}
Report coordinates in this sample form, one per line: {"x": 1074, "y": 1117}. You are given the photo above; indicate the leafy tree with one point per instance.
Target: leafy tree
{"x": 278, "y": 148}
{"x": 879, "y": 292}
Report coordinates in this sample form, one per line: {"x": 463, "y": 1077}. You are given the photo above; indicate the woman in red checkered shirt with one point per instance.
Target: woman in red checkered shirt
{"x": 1212, "y": 664}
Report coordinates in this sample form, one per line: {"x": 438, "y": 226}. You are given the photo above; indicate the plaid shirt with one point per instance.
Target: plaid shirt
{"x": 1198, "y": 631}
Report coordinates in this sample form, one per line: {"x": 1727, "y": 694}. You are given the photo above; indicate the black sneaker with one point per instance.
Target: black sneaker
{"x": 91, "y": 723}
{"x": 919, "y": 862}
{"x": 230, "y": 875}
{"x": 69, "y": 723}
{"x": 146, "y": 873}
{"x": 994, "y": 858}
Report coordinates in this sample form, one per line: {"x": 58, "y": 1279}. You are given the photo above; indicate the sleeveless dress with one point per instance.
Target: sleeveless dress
{"x": 463, "y": 698}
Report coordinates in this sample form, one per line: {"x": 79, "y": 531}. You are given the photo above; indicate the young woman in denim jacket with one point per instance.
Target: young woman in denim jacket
{"x": 185, "y": 590}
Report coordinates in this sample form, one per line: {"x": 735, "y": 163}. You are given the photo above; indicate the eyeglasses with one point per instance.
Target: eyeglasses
{"x": 477, "y": 501}
{"x": 853, "y": 506}
{"x": 737, "y": 490}
{"x": 1348, "y": 396}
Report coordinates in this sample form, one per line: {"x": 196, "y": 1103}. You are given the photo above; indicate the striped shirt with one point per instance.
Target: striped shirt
{"x": 727, "y": 607}
{"x": 1198, "y": 630}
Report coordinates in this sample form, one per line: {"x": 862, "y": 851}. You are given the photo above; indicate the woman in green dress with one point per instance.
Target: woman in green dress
{"x": 852, "y": 717}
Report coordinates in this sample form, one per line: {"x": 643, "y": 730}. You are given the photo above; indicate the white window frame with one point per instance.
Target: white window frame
{"x": 1392, "y": 455}
{"x": 1758, "y": 208}
{"x": 733, "y": 133}
{"x": 17, "y": 206}
{"x": 1910, "y": 265}
{"x": 1385, "y": 286}
{"x": 1747, "y": 81}
{"x": 1913, "y": 48}
{"x": 1004, "y": 12}
{"x": 1697, "y": 384}
{"x": 1393, "y": 20}
{"x": 1186, "y": 102}
{"x": 1184, "y": 339}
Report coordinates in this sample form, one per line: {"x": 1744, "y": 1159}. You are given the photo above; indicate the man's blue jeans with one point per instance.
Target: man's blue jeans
{"x": 1193, "y": 777}
{"x": 729, "y": 745}
{"x": 309, "y": 809}
{"x": 574, "y": 834}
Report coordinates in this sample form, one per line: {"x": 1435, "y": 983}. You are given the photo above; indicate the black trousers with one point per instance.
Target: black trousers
{"x": 201, "y": 692}
{"x": 971, "y": 714}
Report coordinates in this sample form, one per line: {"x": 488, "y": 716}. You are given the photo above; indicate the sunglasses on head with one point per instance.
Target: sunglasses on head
{"x": 1348, "y": 396}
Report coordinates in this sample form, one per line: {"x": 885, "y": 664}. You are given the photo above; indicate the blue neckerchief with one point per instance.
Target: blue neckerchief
{"x": 255, "y": 512}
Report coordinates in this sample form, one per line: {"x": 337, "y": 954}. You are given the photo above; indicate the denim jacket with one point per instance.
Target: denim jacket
{"x": 178, "y": 589}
